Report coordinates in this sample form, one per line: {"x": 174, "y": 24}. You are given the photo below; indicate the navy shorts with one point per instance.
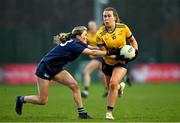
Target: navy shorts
{"x": 100, "y": 59}
{"x": 107, "y": 69}
{"x": 45, "y": 72}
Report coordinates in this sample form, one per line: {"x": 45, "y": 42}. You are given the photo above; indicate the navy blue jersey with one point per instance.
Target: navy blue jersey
{"x": 63, "y": 53}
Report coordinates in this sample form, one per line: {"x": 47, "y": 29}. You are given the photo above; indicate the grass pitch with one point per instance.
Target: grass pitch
{"x": 141, "y": 102}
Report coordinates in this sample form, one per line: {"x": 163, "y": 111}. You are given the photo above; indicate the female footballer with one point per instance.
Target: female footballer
{"x": 113, "y": 34}
{"x": 94, "y": 64}
{"x": 51, "y": 68}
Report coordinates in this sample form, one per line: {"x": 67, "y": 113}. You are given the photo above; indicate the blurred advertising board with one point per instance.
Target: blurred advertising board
{"x": 18, "y": 73}
{"x": 156, "y": 73}
{"x": 24, "y": 73}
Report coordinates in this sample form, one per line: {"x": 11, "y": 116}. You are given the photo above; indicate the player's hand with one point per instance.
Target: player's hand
{"x": 114, "y": 51}
{"x": 122, "y": 58}
{"x": 136, "y": 54}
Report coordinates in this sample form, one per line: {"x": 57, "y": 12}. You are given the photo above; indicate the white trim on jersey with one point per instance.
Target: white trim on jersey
{"x": 63, "y": 44}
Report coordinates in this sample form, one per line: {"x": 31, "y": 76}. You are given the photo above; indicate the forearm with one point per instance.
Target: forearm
{"x": 98, "y": 52}
{"x": 111, "y": 56}
{"x": 88, "y": 51}
{"x": 133, "y": 43}
{"x": 92, "y": 47}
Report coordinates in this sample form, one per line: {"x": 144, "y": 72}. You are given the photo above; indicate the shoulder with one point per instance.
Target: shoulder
{"x": 101, "y": 31}
{"x": 121, "y": 25}
{"x": 76, "y": 43}
{"x": 69, "y": 42}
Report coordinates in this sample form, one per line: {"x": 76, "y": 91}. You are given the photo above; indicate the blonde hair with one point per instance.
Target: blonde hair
{"x": 63, "y": 37}
{"x": 78, "y": 30}
{"x": 114, "y": 13}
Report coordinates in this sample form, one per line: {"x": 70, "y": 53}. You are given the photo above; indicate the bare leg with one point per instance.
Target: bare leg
{"x": 117, "y": 76}
{"x": 65, "y": 78}
{"x": 42, "y": 98}
{"x": 93, "y": 65}
{"x": 103, "y": 79}
{"x": 107, "y": 80}
{"x": 113, "y": 86}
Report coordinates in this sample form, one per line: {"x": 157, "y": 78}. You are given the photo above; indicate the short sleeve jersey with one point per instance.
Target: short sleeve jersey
{"x": 115, "y": 39}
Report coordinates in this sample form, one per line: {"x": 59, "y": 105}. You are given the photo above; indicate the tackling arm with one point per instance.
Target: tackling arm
{"x": 109, "y": 56}
{"x": 88, "y": 51}
{"x": 93, "y": 48}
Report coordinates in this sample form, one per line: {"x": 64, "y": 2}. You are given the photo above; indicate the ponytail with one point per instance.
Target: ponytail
{"x": 63, "y": 37}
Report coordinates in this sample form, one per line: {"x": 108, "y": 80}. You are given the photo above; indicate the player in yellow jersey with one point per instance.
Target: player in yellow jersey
{"x": 113, "y": 34}
{"x": 95, "y": 63}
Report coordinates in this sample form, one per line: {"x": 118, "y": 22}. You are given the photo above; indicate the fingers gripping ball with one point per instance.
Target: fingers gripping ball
{"x": 128, "y": 52}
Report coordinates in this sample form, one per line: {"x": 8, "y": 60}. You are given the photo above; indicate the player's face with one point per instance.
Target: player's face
{"x": 92, "y": 26}
{"x": 83, "y": 37}
{"x": 109, "y": 18}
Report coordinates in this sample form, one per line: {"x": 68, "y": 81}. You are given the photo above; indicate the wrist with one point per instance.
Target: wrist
{"x": 136, "y": 50}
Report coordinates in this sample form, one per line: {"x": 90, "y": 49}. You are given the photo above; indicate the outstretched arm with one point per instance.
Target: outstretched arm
{"x": 93, "y": 48}
{"x": 109, "y": 56}
{"x": 88, "y": 51}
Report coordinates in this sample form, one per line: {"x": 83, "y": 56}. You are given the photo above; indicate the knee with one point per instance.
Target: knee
{"x": 43, "y": 100}
{"x": 74, "y": 86}
{"x": 86, "y": 72}
{"x": 113, "y": 86}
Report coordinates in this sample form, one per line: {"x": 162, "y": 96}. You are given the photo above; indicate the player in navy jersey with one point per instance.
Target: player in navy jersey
{"x": 51, "y": 67}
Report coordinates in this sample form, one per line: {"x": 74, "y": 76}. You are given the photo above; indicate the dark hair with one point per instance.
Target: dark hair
{"x": 114, "y": 13}
{"x": 63, "y": 37}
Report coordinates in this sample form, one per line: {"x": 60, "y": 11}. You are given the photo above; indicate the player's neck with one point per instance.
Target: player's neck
{"x": 111, "y": 28}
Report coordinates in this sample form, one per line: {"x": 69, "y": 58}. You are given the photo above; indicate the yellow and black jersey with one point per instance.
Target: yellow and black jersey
{"x": 91, "y": 39}
{"x": 114, "y": 39}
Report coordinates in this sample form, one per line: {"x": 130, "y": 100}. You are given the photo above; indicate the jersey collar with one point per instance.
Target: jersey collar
{"x": 78, "y": 41}
{"x": 111, "y": 31}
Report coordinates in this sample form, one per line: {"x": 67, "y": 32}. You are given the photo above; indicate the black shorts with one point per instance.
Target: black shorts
{"x": 107, "y": 69}
{"x": 45, "y": 72}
